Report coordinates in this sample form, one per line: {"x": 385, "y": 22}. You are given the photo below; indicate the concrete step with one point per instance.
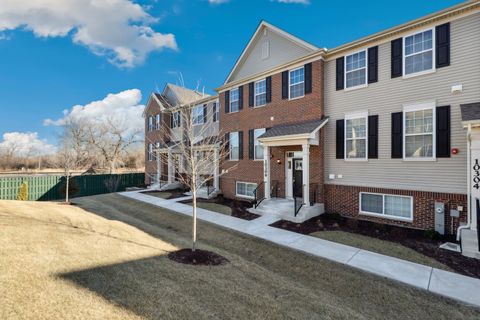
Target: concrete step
{"x": 284, "y": 209}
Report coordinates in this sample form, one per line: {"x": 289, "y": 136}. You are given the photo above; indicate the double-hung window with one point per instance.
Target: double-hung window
{"x": 215, "y": 111}
{"x": 234, "y": 100}
{"x": 245, "y": 189}
{"x": 419, "y": 128}
{"x": 234, "y": 144}
{"x": 176, "y": 119}
{"x": 150, "y": 152}
{"x": 257, "y": 145}
{"x": 150, "y": 123}
{"x": 356, "y": 136}
{"x": 260, "y": 93}
{"x": 387, "y": 206}
{"x": 197, "y": 115}
{"x": 157, "y": 122}
{"x": 296, "y": 83}
{"x": 356, "y": 69}
{"x": 418, "y": 52}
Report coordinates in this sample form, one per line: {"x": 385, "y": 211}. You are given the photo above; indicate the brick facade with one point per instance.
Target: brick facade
{"x": 344, "y": 200}
{"x": 278, "y": 111}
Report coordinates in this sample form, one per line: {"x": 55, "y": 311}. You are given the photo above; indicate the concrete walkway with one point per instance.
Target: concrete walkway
{"x": 448, "y": 284}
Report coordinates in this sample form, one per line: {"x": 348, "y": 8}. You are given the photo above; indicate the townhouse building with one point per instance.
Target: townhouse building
{"x": 385, "y": 128}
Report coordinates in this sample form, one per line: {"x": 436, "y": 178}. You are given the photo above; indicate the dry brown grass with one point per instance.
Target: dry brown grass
{"x": 106, "y": 260}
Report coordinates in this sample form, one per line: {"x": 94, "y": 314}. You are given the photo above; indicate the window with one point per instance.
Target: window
{"x": 176, "y": 119}
{"x": 245, "y": 189}
{"x": 356, "y": 69}
{"x": 356, "y": 136}
{"x": 418, "y": 52}
{"x": 258, "y": 147}
{"x": 296, "y": 83}
{"x": 150, "y": 152}
{"x": 388, "y": 206}
{"x": 215, "y": 111}
{"x": 157, "y": 122}
{"x": 260, "y": 93}
{"x": 234, "y": 100}
{"x": 150, "y": 123}
{"x": 234, "y": 144}
{"x": 197, "y": 115}
{"x": 418, "y": 131}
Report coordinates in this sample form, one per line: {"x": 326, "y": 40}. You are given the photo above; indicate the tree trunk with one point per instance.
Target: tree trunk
{"x": 194, "y": 216}
{"x": 67, "y": 188}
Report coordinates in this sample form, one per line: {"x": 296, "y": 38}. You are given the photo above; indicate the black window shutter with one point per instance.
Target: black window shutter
{"x": 251, "y": 144}
{"x": 397, "y": 57}
{"x": 308, "y": 78}
{"x": 251, "y": 94}
{"x": 227, "y": 101}
{"x": 373, "y": 64}
{"x": 285, "y": 84}
{"x": 443, "y": 132}
{"x": 373, "y": 137}
{"x": 214, "y": 112}
{"x": 227, "y": 146}
{"x": 397, "y": 135}
{"x": 204, "y": 113}
{"x": 340, "y": 73}
{"x": 240, "y": 98}
{"x": 442, "y": 38}
{"x": 340, "y": 139}
{"x": 268, "y": 83}
{"x": 240, "y": 145}
{"x": 179, "y": 119}
{"x": 171, "y": 120}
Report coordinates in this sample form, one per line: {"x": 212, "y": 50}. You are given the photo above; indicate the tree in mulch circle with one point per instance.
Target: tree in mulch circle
{"x": 23, "y": 192}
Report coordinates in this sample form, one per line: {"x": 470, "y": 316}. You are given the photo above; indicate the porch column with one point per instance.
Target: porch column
{"x": 266, "y": 170}
{"x": 306, "y": 174}
{"x": 216, "y": 176}
{"x": 170, "y": 167}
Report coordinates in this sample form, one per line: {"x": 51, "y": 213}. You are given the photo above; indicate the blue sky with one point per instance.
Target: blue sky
{"x": 40, "y": 76}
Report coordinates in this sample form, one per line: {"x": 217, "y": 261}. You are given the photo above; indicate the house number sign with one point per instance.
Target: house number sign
{"x": 476, "y": 175}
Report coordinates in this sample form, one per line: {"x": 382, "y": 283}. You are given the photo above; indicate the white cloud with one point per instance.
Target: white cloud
{"x": 121, "y": 108}
{"x": 25, "y": 144}
{"x": 294, "y": 1}
{"x": 118, "y": 29}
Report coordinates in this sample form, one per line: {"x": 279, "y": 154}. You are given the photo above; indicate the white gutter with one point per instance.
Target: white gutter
{"x": 469, "y": 190}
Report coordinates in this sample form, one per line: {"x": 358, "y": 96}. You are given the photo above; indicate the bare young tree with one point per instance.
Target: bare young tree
{"x": 73, "y": 151}
{"x": 199, "y": 147}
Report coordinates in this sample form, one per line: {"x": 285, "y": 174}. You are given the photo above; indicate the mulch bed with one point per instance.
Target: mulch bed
{"x": 411, "y": 238}
{"x": 239, "y": 208}
{"x": 197, "y": 257}
{"x": 176, "y": 193}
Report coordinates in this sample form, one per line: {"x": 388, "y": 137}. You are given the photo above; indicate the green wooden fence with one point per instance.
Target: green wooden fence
{"x": 52, "y": 187}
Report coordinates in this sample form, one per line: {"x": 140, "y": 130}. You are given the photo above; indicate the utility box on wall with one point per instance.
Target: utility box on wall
{"x": 440, "y": 217}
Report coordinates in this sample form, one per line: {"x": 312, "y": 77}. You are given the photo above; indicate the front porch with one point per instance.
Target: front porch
{"x": 286, "y": 209}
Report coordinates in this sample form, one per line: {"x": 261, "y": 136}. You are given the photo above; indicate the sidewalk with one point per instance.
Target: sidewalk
{"x": 448, "y": 284}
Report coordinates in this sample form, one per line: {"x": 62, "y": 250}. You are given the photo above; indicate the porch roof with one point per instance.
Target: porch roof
{"x": 295, "y": 129}
{"x": 470, "y": 113}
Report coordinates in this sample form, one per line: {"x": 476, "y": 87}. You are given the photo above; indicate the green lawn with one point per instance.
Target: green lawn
{"x": 380, "y": 246}
{"x": 106, "y": 259}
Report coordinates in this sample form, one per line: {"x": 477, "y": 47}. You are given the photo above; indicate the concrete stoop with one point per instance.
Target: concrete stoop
{"x": 203, "y": 193}
{"x": 470, "y": 244}
{"x": 283, "y": 209}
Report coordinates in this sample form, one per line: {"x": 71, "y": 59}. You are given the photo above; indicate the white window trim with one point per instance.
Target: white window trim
{"x": 259, "y": 144}
{"x": 417, "y": 107}
{"x": 345, "y": 71}
{"x": 193, "y": 117}
{"x": 241, "y": 195}
{"x": 230, "y": 101}
{"x": 415, "y": 74}
{"x": 255, "y": 94}
{"x": 386, "y": 216}
{"x": 230, "y": 145}
{"x": 350, "y": 116}
{"x": 176, "y": 121}
{"x": 289, "y": 84}
{"x": 150, "y": 152}
{"x": 157, "y": 123}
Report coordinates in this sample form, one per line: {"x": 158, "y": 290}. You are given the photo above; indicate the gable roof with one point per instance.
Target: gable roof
{"x": 183, "y": 95}
{"x": 262, "y": 26}
{"x": 302, "y": 128}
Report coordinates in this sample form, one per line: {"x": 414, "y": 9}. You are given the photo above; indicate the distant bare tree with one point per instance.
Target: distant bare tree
{"x": 199, "y": 150}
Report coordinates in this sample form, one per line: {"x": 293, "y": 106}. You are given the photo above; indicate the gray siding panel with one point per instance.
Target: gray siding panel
{"x": 387, "y": 96}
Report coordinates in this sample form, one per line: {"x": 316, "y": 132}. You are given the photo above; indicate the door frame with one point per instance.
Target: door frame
{"x": 295, "y": 160}
{"x": 289, "y": 156}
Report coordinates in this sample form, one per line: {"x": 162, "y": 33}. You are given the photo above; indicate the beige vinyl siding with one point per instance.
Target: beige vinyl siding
{"x": 387, "y": 96}
{"x": 282, "y": 50}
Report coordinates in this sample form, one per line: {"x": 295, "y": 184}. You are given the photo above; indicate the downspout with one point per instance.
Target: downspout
{"x": 469, "y": 190}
